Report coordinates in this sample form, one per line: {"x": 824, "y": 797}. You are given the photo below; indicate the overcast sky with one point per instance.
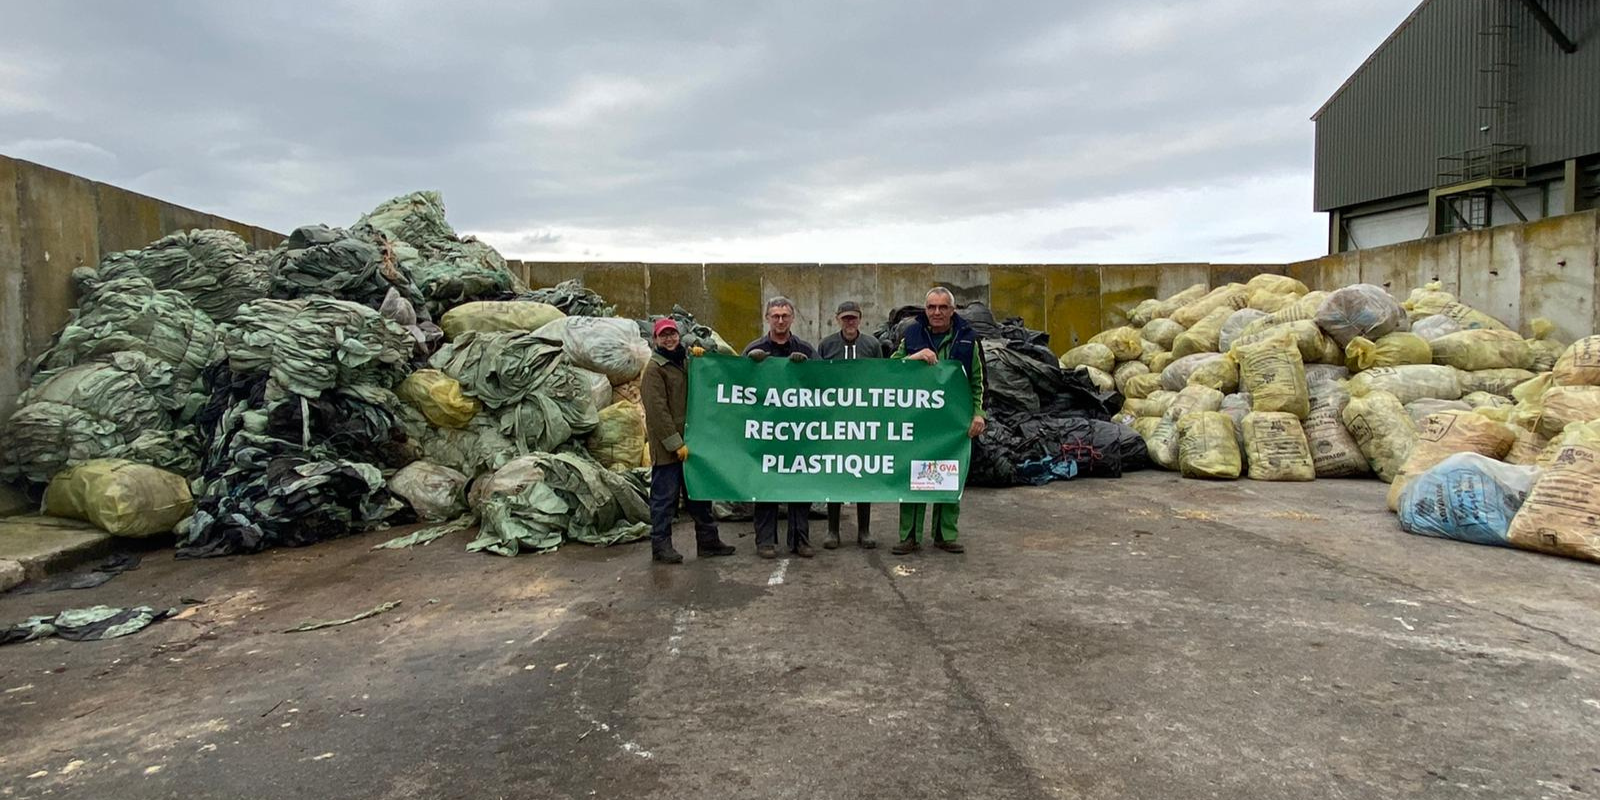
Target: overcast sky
{"x": 1029, "y": 132}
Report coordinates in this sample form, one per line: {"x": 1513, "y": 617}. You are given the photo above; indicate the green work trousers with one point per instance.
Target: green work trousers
{"x": 945, "y": 516}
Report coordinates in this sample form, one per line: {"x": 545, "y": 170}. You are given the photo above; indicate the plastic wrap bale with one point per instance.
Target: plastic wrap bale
{"x": 1409, "y": 383}
{"x": 417, "y": 219}
{"x": 1560, "y": 513}
{"x": 86, "y": 412}
{"x": 573, "y": 299}
{"x": 1143, "y": 312}
{"x": 1432, "y": 327}
{"x": 1273, "y": 375}
{"x": 1161, "y": 332}
{"x": 1202, "y": 337}
{"x": 607, "y": 345}
{"x": 571, "y": 497}
{"x": 1493, "y": 381}
{"x": 1325, "y": 373}
{"x": 1396, "y": 349}
{"x": 1153, "y": 406}
{"x": 1208, "y": 446}
{"x": 1579, "y": 364}
{"x": 1231, "y": 296}
{"x": 1334, "y": 452}
{"x": 131, "y": 314}
{"x": 177, "y": 451}
{"x": 1127, "y": 370}
{"x": 1275, "y": 447}
{"x": 311, "y": 345}
{"x": 284, "y": 501}
{"x": 215, "y": 269}
{"x": 489, "y": 316}
{"x": 1447, "y": 433}
{"x": 1474, "y": 350}
{"x": 1564, "y": 405}
{"x": 1360, "y": 310}
{"x": 437, "y": 493}
{"x": 317, "y": 260}
{"x": 1544, "y": 349}
{"x": 1481, "y": 399}
{"x": 1179, "y": 300}
{"x": 1235, "y": 324}
{"x": 1221, "y": 374}
{"x": 1101, "y": 379}
{"x": 618, "y": 443}
{"x": 1092, "y": 354}
{"x": 438, "y": 396}
{"x": 1124, "y": 343}
{"x": 451, "y": 273}
{"x": 1142, "y": 385}
{"x": 1466, "y": 497}
{"x": 478, "y": 449}
{"x": 1420, "y": 409}
{"x": 1382, "y": 429}
{"x": 521, "y": 376}
{"x": 1315, "y": 346}
{"x": 119, "y": 497}
{"x": 1177, "y": 374}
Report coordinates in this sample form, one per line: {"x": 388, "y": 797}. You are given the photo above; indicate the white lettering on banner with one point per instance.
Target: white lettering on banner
{"x": 852, "y": 464}
{"x": 832, "y": 397}
{"x": 736, "y": 395}
{"x": 818, "y": 430}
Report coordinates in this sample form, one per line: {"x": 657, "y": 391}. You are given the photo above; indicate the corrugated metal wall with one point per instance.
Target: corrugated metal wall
{"x": 1415, "y": 100}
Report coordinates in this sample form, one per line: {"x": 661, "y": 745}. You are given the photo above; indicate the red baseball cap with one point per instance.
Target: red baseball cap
{"x": 663, "y": 324}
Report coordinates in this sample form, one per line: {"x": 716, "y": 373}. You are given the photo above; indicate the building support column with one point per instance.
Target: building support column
{"x": 1571, "y": 187}
{"x": 1336, "y": 240}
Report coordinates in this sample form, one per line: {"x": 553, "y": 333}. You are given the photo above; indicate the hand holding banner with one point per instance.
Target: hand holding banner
{"x": 834, "y": 431}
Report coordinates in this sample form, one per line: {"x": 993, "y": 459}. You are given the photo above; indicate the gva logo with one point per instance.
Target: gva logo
{"x": 935, "y": 475}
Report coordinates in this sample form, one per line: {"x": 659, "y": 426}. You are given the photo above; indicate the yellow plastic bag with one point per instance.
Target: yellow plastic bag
{"x": 120, "y": 497}
{"x": 1207, "y": 446}
{"x": 1161, "y": 332}
{"x": 1480, "y": 400}
{"x": 1392, "y": 350}
{"x": 1277, "y": 284}
{"x": 1382, "y": 429}
{"x": 1493, "y": 381}
{"x": 1275, "y": 447}
{"x": 1202, "y": 336}
{"x": 1446, "y": 433}
{"x": 1544, "y": 349}
{"x": 1124, "y": 343}
{"x": 1527, "y": 447}
{"x": 1270, "y": 302}
{"x": 1143, "y": 312}
{"x": 438, "y": 396}
{"x": 1220, "y": 373}
{"x": 1092, "y": 354}
{"x": 1233, "y": 296}
{"x": 493, "y": 315}
{"x": 1159, "y": 362}
{"x": 1334, "y": 451}
{"x": 1271, "y": 372}
{"x": 1101, "y": 379}
{"x": 1127, "y": 370}
{"x": 1427, "y": 300}
{"x": 1564, "y": 405}
{"x": 1142, "y": 385}
{"x": 1144, "y": 426}
{"x": 1409, "y": 383}
{"x": 1470, "y": 318}
{"x": 1473, "y": 350}
{"x": 1562, "y": 514}
{"x": 1579, "y": 364}
{"x": 618, "y": 442}
{"x": 1153, "y": 406}
{"x": 1179, "y": 300}
{"x": 1315, "y": 346}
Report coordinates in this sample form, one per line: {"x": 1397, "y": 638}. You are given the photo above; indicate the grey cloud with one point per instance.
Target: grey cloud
{"x": 692, "y": 120}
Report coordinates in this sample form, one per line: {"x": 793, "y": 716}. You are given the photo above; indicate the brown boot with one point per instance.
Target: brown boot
{"x": 906, "y": 546}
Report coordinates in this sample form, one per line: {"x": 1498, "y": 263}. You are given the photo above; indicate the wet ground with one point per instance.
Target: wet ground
{"x": 1148, "y": 637}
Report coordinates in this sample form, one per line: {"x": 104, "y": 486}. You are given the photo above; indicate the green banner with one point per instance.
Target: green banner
{"x": 879, "y": 430}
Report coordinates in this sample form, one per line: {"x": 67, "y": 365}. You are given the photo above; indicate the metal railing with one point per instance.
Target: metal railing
{"x": 1489, "y": 162}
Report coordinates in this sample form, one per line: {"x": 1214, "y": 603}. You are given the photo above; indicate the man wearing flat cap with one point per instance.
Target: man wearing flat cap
{"x": 848, "y": 344}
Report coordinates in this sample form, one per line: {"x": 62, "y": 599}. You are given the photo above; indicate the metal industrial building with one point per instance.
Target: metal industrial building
{"x": 1472, "y": 113}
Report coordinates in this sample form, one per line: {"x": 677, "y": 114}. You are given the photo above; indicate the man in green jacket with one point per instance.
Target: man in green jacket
{"x": 941, "y": 334}
{"x": 664, "y": 391}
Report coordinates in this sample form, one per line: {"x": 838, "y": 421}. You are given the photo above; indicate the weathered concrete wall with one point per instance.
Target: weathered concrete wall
{"x": 52, "y": 222}
{"x": 1546, "y": 268}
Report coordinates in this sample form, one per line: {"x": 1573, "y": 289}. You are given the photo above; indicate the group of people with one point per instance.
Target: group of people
{"x": 939, "y": 333}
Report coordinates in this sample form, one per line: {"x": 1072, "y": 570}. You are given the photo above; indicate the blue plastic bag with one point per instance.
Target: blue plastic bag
{"x": 1468, "y": 497}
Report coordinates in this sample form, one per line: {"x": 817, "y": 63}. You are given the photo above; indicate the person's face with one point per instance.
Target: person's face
{"x": 850, "y": 322}
{"x": 939, "y": 309}
{"x": 668, "y": 339}
{"x": 779, "y": 318}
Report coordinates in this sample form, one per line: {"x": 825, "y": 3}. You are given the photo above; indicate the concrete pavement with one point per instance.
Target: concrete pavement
{"x": 1147, "y": 637}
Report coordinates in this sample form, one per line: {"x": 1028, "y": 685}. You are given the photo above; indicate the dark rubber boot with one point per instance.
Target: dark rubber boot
{"x": 714, "y": 549}
{"x": 667, "y": 556}
{"x": 831, "y": 541}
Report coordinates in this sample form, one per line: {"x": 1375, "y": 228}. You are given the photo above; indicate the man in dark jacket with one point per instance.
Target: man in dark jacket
{"x": 941, "y": 334}
{"x": 664, "y": 391}
{"x": 848, "y": 344}
{"x": 779, "y": 341}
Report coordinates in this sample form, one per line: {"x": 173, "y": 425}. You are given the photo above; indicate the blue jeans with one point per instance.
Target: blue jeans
{"x": 666, "y": 486}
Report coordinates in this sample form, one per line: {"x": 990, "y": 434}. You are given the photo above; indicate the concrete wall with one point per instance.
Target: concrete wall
{"x": 1545, "y": 268}
{"x": 52, "y": 222}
